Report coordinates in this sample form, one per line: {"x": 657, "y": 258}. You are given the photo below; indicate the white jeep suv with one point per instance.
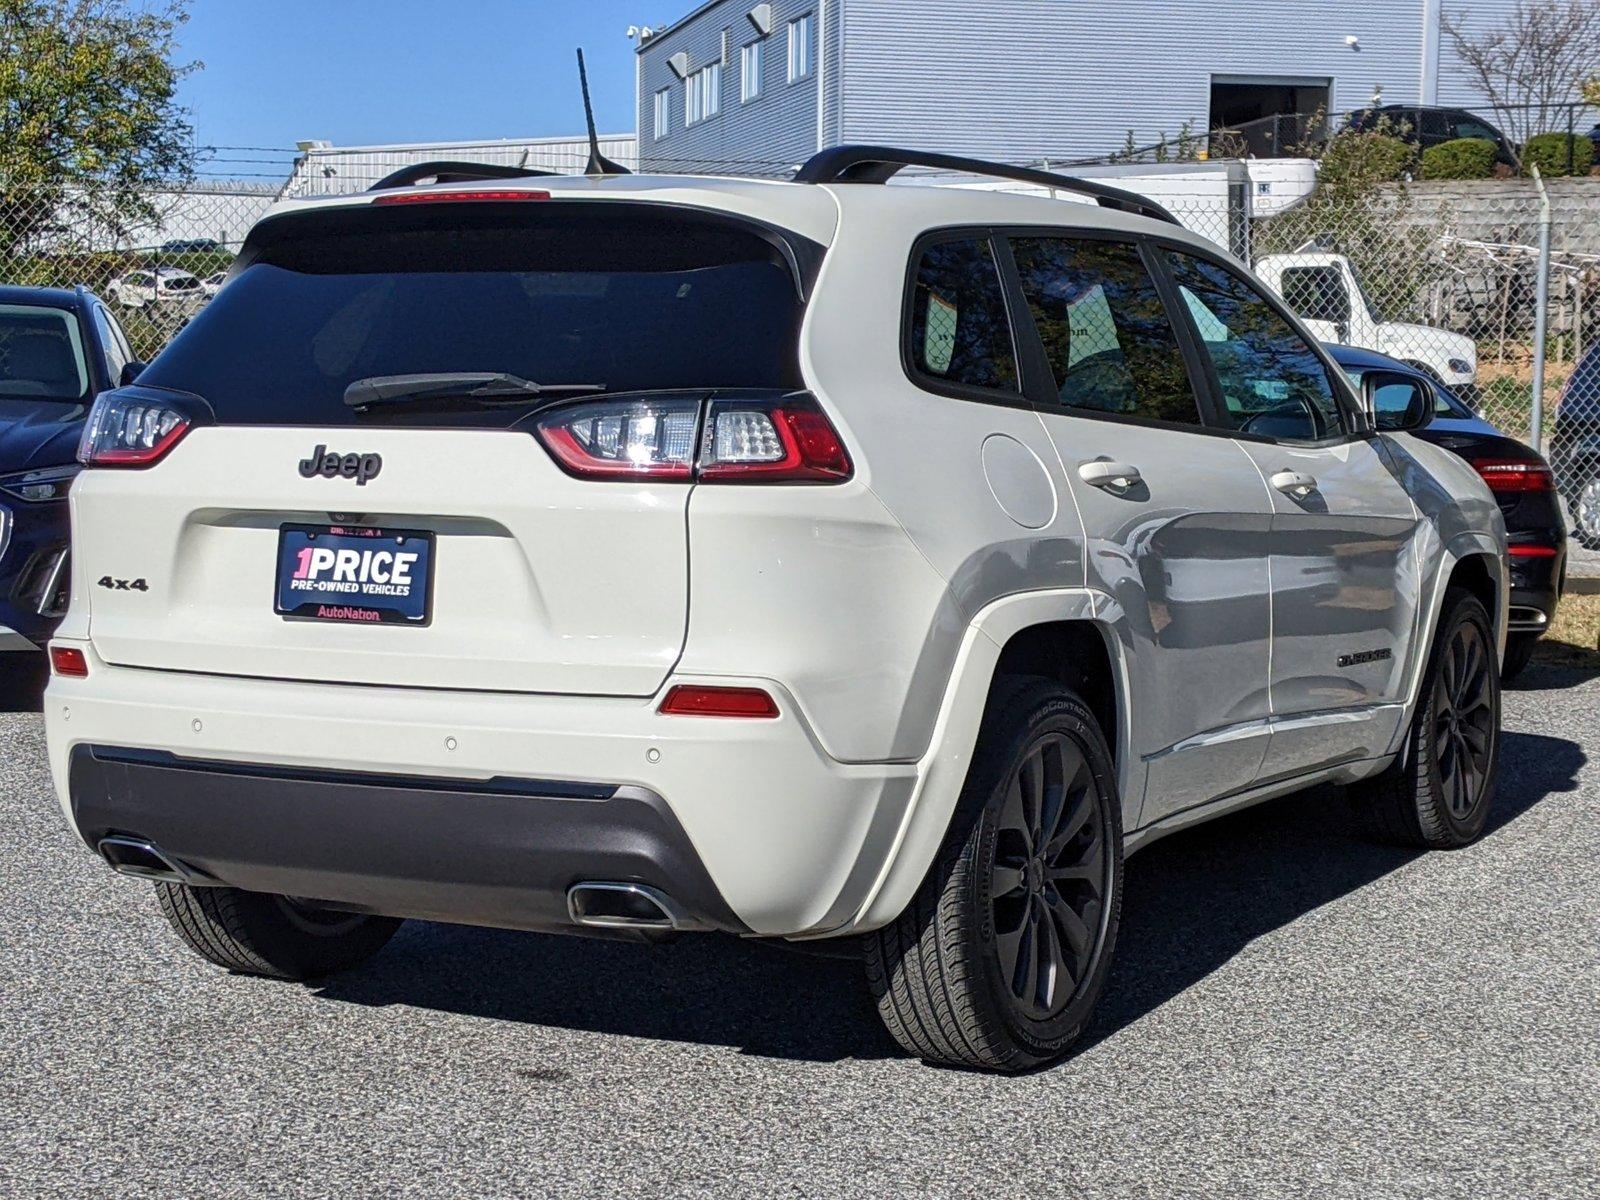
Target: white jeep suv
{"x": 801, "y": 560}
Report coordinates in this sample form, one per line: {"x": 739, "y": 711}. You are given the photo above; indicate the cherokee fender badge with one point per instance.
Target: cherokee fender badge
{"x": 1364, "y": 656}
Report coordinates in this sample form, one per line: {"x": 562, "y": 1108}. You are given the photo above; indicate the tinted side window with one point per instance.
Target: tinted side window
{"x": 1271, "y": 381}
{"x": 1467, "y": 127}
{"x": 1110, "y": 343}
{"x": 959, "y": 330}
{"x": 1317, "y": 293}
{"x": 1431, "y": 123}
{"x": 111, "y": 344}
{"x": 122, "y": 337}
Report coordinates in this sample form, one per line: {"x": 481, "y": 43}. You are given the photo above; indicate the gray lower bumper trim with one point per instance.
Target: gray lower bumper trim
{"x": 500, "y": 852}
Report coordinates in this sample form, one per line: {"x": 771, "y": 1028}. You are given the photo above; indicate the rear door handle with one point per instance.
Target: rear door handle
{"x": 1295, "y": 483}
{"x": 1103, "y": 473}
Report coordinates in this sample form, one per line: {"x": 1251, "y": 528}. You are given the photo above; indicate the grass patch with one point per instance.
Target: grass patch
{"x": 1505, "y": 393}
{"x": 1573, "y": 640}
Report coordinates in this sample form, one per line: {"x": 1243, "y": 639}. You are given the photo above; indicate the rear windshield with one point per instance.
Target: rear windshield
{"x": 628, "y": 297}
{"x": 41, "y": 354}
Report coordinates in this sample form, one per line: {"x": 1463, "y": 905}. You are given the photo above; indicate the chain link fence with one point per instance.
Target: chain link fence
{"x": 155, "y": 261}
{"x": 1444, "y": 276}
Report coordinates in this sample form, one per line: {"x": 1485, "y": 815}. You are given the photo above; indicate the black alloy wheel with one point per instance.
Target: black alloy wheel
{"x": 1049, "y": 878}
{"x": 1464, "y": 720}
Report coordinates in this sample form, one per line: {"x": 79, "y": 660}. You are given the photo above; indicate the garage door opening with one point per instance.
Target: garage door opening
{"x": 1272, "y": 116}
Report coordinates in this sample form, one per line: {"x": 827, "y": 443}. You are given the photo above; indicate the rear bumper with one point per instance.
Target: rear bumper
{"x": 502, "y": 852}
{"x": 1536, "y": 585}
{"x": 426, "y": 803}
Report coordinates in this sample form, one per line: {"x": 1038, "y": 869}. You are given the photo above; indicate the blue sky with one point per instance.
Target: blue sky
{"x": 359, "y": 71}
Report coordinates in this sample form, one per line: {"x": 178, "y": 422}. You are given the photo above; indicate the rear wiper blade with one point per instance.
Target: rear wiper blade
{"x": 488, "y": 386}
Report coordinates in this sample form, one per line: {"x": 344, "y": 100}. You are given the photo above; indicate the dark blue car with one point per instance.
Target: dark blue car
{"x": 59, "y": 349}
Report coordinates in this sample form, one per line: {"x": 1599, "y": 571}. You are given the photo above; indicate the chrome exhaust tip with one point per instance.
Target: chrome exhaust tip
{"x": 144, "y": 860}
{"x": 1522, "y": 619}
{"x": 634, "y": 906}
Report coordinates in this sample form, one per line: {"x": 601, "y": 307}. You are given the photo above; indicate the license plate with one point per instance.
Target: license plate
{"x": 354, "y": 575}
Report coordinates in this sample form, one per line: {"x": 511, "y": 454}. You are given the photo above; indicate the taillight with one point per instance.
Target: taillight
{"x": 69, "y": 661}
{"x": 783, "y": 440}
{"x": 624, "y": 440}
{"x": 693, "y": 701}
{"x": 790, "y": 440}
{"x": 474, "y": 196}
{"x": 130, "y": 429}
{"x": 1515, "y": 475}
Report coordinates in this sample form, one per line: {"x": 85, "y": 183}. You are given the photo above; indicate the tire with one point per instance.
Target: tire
{"x": 943, "y": 973}
{"x": 1519, "y": 652}
{"x": 1438, "y": 795}
{"x": 258, "y": 934}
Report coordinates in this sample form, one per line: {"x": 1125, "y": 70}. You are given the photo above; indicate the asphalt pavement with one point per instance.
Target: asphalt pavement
{"x": 1293, "y": 1012}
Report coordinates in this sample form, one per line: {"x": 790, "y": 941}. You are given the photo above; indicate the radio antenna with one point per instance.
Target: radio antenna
{"x": 599, "y": 164}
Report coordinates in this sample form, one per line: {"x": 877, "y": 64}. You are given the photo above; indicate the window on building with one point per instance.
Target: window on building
{"x": 750, "y": 60}
{"x": 959, "y": 330}
{"x": 663, "y": 113}
{"x": 801, "y": 32}
{"x": 1106, "y": 333}
{"x": 1271, "y": 381}
{"x": 704, "y": 93}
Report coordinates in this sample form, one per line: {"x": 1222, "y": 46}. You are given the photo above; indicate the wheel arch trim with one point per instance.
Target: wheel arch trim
{"x": 1468, "y": 544}
{"x": 942, "y": 771}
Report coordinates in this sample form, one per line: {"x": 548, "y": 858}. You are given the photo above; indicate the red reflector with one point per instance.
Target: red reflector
{"x": 1515, "y": 475}
{"x": 471, "y": 197}
{"x": 68, "y": 660}
{"x": 1532, "y": 551}
{"x": 686, "y": 701}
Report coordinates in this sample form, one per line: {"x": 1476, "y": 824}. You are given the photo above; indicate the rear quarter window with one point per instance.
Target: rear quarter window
{"x": 958, "y": 332}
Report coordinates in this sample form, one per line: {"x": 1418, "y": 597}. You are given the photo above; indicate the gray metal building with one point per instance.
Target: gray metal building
{"x": 734, "y": 84}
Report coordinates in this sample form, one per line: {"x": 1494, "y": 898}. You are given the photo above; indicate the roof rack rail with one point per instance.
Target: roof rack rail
{"x": 452, "y": 172}
{"x": 879, "y": 164}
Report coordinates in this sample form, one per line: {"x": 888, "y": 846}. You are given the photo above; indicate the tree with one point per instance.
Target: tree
{"x": 89, "y": 118}
{"x": 1531, "y": 65}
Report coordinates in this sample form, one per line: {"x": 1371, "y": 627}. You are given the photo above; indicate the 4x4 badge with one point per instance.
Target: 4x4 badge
{"x": 360, "y": 467}
{"x": 122, "y": 585}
